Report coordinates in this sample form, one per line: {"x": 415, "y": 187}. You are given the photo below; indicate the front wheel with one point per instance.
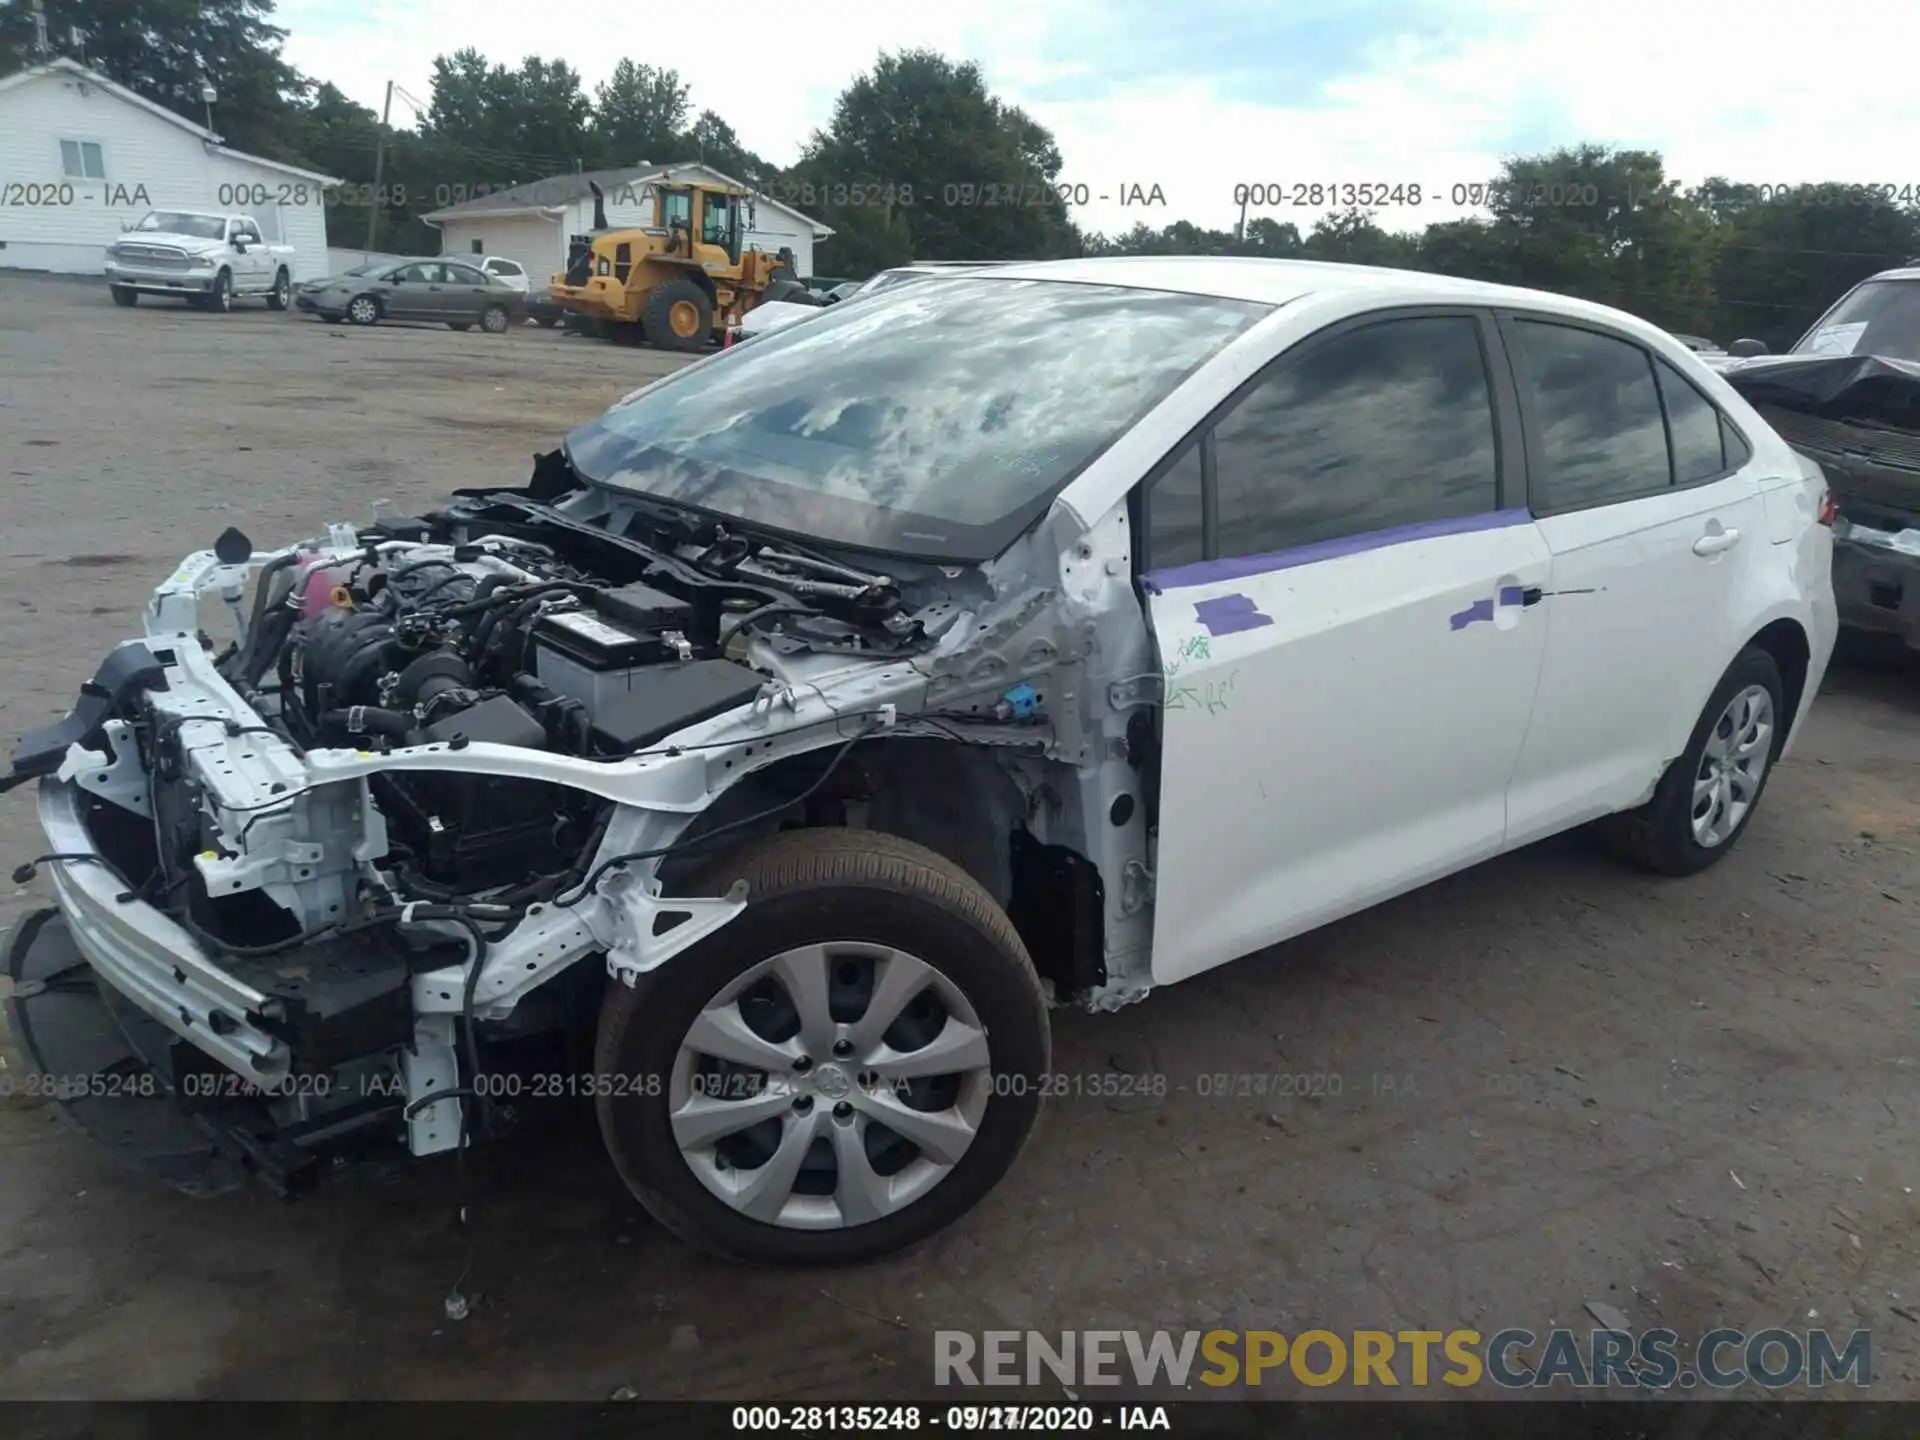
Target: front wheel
{"x": 125, "y": 295}
{"x": 220, "y": 298}
{"x": 678, "y": 316}
{"x": 281, "y": 295}
{"x": 363, "y": 310}
{"x": 1706, "y": 799}
{"x": 841, "y": 1071}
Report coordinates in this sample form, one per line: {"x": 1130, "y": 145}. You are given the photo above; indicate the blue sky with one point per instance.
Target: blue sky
{"x": 1198, "y": 96}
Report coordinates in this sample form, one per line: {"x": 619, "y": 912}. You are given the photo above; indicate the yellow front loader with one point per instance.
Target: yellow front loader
{"x": 680, "y": 281}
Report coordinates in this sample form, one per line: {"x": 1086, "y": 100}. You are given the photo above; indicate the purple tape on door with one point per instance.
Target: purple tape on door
{"x": 1512, "y": 595}
{"x": 1479, "y": 610}
{"x": 1224, "y": 614}
{"x": 1239, "y": 567}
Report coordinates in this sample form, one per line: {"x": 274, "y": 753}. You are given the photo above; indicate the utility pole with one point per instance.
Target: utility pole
{"x": 379, "y": 164}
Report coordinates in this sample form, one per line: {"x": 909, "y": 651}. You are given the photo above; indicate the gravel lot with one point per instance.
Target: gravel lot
{"x": 1558, "y": 1081}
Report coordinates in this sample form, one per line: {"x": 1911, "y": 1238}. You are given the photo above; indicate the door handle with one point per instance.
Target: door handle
{"x": 1714, "y": 541}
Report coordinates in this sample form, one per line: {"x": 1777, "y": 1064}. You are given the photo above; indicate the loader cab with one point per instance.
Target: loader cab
{"x": 708, "y": 218}
{"x": 720, "y": 224}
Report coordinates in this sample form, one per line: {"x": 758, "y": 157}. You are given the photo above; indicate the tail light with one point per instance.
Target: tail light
{"x": 1829, "y": 509}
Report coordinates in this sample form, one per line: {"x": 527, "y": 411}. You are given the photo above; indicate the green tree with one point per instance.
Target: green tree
{"x": 1351, "y": 237}
{"x": 712, "y": 141}
{"x": 166, "y": 50}
{"x": 1781, "y": 262}
{"x": 531, "y": 121}
{"x": 639, "y": 114}
{"x": 979, "y": 170}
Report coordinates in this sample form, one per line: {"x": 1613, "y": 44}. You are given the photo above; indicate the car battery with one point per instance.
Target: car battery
{"x": 595, "y": 655}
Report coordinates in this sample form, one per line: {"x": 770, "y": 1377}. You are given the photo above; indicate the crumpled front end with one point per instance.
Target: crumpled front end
{"x": 294, "y": 877}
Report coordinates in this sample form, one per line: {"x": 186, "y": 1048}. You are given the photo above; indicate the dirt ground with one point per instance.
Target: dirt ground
{"x": 1549, "y": 1081}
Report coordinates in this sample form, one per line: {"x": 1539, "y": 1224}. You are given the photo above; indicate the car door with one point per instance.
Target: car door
{"x": 254, "y": 267}
{"x": 469, "y": 291}
{"x": 1341, "y": 586}
{"x": 410, "y": 294}
{"x": 1652, "y": 514}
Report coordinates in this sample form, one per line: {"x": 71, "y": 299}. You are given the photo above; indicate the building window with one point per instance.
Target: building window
{"x": 81, "y": 160}
{"x": 479, "y": 248}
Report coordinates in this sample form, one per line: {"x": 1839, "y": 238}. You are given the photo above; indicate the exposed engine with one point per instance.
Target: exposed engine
{"x": 462, "y": 628}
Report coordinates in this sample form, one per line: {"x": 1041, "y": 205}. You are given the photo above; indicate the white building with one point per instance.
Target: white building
{"x": 532, "y": 223}
{"x": 82, "y": 158}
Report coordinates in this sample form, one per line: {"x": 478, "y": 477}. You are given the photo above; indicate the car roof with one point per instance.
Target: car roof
{"x": 1909, "y": 271}
{"x": 1280, "y": 282}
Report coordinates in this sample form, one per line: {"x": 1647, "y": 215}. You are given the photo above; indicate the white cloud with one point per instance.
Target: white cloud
{"x": 1767, "y": 94}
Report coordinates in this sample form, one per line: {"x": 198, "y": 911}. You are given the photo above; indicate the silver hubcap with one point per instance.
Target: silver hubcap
{"x": 494, "y": 320}
{"x": 1736, "y": 757}
{"x": 363, "y": 310}
{"x": 830, "y": 1086}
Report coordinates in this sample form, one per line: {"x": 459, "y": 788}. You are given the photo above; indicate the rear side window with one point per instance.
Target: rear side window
{"x": 1694, "y": 426}
{"x": 1387, "y": 425}
{"x": 1602, "y": 433}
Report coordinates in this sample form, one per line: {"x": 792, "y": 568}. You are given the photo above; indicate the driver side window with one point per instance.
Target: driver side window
{"x": 676, "y": 207}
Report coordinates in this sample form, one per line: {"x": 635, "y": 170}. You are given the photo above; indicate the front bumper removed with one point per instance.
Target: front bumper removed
{"x": 104, "y": 1065}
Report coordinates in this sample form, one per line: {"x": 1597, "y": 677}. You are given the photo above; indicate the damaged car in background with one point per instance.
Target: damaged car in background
{"x": 820, "y": 715}
{"x": 1847, "y": 395}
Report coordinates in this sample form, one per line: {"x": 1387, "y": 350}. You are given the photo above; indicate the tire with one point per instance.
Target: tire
{"x": 844, "y": 890}
{"x": 281, "y": 295}
{"x": 494, "y": 320}
{"x": 1661, "y": 835}
{"x": 459, "y": 324}
{"x": 789, "y": 290}
{"x": 220, "y": 298}
{"x": 124, "y": 294}
{"x": 363, "y": 310}
{"x": 678, "y": 316}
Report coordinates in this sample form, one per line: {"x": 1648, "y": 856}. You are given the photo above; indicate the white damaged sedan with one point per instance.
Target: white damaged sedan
{"x": 819, "y": 716}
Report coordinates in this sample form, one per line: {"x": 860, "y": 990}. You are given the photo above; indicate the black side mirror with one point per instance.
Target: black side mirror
{"x": 1747, "y": 349}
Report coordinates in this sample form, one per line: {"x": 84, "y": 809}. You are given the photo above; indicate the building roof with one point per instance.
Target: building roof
{"x": 64, "y": 65}
{"x": 555, "y": 193}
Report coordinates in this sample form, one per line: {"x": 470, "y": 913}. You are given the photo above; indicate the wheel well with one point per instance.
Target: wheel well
{"x": 1786, "y": 642}
{"x": 958, "y": 801}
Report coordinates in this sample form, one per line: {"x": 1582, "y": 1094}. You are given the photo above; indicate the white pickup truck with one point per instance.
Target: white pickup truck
{"x": 208, "y": 258}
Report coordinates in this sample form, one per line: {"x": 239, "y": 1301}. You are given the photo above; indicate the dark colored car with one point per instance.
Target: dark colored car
{"x": 450, "y": 292}
{"x": 1847, "y": 395}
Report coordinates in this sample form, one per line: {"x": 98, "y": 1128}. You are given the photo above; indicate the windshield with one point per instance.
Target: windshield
{"x": 1881, "y": 317}
{"x": 937, "y": 422}
{"x": 890, "y": 279}
{"x": 180, "y": 222}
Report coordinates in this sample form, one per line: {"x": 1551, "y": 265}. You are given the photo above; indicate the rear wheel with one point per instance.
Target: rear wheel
{"x": 282, "y": 292}
{"x": 493, "y": 320}
{"x": 124, "y": 295}
{"x": 678, "y": 316}
{"x": 1704, "y": 802}
{"x": 363, "y": 310}
{"x": 846, "y": 1068}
